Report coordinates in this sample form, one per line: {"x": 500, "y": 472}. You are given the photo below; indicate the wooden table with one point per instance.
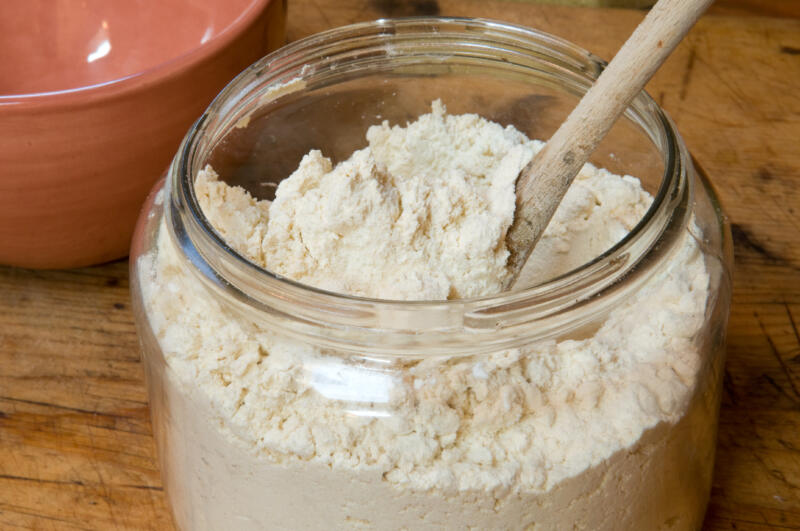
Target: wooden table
{"x": 76, "y": 450}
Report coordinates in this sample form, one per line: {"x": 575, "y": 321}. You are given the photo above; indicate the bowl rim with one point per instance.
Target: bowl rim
{"x": 131, "y": 82}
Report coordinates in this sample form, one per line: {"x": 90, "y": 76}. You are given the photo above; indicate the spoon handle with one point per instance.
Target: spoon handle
{"x": 543, "y": 183}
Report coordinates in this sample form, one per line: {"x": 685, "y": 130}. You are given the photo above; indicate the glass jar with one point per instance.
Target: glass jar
{"x": 586, "y": 401}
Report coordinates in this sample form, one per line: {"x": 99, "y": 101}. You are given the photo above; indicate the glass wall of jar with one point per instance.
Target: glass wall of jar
{"x": 588, "y": 400}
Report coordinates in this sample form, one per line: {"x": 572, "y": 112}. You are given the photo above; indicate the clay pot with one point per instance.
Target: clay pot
{"x": 95, "y": 97}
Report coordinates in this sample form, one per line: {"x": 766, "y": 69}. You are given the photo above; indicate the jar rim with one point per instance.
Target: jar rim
{"x": 544, "y": 310}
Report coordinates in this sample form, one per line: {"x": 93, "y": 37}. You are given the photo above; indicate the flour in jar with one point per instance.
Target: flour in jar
{"x": 550, "y": 436}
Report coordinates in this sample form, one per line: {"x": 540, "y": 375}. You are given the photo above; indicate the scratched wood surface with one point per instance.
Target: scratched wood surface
{"x": 76, "y": 449}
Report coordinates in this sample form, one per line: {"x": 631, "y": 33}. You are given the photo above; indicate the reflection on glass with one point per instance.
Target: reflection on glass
{"x": 350, "y": 383}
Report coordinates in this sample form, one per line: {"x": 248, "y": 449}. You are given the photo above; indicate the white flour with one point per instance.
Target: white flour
{"x": 266, "y": 432}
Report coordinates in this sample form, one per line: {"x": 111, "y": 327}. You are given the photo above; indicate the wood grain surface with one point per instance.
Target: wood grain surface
{"x": 76, "y": 449}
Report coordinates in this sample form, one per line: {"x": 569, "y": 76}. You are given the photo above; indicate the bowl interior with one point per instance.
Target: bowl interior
{"x": 57, "y": 45}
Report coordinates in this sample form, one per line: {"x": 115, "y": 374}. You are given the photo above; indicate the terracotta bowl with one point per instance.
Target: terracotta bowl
{"x": 95, "y": 97}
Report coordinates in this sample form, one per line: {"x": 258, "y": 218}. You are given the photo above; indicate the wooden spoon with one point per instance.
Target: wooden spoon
{"x": 544, "y": 181}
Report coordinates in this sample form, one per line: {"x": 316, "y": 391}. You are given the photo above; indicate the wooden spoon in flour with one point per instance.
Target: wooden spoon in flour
{"x": 544, "y": 181}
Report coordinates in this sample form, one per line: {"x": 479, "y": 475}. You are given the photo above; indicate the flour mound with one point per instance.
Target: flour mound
{"x": 558, "y": 433}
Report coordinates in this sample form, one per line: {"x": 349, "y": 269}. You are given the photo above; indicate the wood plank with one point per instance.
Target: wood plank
{"x": 76, "y": 448}
{"x": 758, "y": 8}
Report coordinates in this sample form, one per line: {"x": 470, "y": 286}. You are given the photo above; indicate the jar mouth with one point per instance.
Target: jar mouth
{"x": 543, "y": 310}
